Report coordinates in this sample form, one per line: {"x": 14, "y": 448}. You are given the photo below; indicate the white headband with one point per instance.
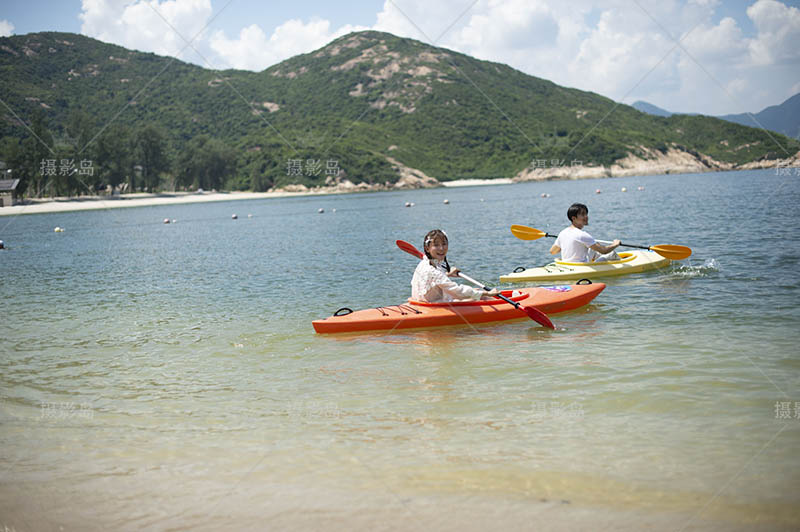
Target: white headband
{"x": 430, "y": 238}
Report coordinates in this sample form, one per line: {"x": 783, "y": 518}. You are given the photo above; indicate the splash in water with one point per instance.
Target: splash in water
{"x": 709, "y": 267}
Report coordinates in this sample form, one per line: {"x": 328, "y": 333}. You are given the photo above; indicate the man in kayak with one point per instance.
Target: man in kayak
{"x": 576, "y": 245}
{"x": 431, "y": 283}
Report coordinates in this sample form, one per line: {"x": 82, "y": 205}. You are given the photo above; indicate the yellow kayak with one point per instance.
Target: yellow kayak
{"x": 639, "y": 260}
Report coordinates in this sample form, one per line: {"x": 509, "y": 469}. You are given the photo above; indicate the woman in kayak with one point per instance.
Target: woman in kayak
{"x": 576, "y": 245}
{"x": 431, "y": 281}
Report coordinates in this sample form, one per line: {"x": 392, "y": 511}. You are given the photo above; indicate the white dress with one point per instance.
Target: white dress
{"x": 431, "y": 284}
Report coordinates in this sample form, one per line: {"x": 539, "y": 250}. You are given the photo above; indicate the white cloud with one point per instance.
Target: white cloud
{"x": 253, "y": 50}
{"x": 721, "y": 43}
{"x": 778, "y": 32}
{"x": 421, "y": 19}
{"x": 162, "y": 27}
{"x": 6, "y": 28}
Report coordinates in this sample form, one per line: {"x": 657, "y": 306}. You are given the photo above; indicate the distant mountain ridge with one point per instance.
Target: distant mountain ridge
{"x": 650, "y": 109}
{"x": 783, "y": 118}
{"x": 382, "y": 108}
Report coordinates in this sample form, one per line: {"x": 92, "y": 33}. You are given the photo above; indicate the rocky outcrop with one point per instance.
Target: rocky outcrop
{"x": 411, "y": 177}
{"x": 408, "y": 178}
{"x": 648, "y": 161}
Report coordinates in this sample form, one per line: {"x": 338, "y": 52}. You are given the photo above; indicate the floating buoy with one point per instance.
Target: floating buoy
{"x": 59, "y": 229}
{"x": 447, "y": 202}
{"x": 624, "y": 189}
{"x": 334, "y": 210}
{"x": 174, "y": 221}
{"x": 597, "y": 191}
{"x": 321, "y": 210}
{"x": 235, "y": 217}
{"x": 482, "y": 200}
{"x": 249, "y": 215}
{"x": 166, "y": 220}
{"x": 412, "y": 203}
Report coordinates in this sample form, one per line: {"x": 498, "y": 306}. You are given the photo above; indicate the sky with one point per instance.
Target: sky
{"x": 695, "y": 56}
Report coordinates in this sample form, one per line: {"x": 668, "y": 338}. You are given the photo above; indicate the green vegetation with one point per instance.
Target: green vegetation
{"x": 145, "y": 122}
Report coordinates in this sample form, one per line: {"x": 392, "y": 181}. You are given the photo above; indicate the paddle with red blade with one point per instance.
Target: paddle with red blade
{"x": 533, "y": 313}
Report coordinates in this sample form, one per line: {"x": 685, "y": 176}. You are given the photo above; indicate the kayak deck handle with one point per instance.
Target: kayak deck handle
{"x": 520, "y": 269}
{"x": 588, "y": 281}
{"x": 344, "y": 311}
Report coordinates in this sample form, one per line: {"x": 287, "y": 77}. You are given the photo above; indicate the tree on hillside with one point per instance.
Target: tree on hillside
{"x": 205, "y": 163}
{"x": 77, "y": 147}
{"x": 150, "y": 154}
{"x": 113, "y": 158}
{"x": 38, "y": 156}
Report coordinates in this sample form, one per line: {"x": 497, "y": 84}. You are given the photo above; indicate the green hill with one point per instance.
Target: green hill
{"x": 351, "y": 106}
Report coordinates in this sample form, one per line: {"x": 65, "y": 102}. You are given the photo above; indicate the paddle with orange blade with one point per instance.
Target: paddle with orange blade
{"x": 533, "y": 313}
{"x": 669, "y": 251}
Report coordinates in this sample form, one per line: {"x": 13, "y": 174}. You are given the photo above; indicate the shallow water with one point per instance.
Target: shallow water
{"x": 167, "y": 376}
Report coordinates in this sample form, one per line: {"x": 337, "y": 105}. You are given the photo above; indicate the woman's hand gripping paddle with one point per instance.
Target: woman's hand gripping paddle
{"x": 533, "y": 313}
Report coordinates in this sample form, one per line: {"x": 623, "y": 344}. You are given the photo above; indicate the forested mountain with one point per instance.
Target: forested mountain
{"x": 365, "y": 105}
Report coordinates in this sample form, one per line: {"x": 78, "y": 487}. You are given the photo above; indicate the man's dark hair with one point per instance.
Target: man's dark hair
{"x": 576, "y": 209}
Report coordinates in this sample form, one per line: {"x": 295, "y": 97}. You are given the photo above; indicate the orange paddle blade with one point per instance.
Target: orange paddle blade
{"x": 524, "y": 232}
{"x": 409, "y": 248}
{"x": 672, "y": 252}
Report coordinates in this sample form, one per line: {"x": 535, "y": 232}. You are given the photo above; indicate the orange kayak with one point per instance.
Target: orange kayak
{"x": 417, "y": 314}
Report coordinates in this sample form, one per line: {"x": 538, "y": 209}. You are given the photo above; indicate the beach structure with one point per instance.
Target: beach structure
{"x": 8, "y": 189}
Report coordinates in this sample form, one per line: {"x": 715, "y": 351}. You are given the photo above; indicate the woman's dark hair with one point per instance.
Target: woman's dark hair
{"x": 430, "y": 237}
{"x": 576, "y": 209}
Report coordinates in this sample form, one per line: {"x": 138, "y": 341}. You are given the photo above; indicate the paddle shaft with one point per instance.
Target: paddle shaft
{"x": 608, "y": 242}
{"x": 669, "y": 251}
{"x": 482, "y": 287}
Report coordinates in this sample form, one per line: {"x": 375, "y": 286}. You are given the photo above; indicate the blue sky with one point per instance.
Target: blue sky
{"x": 707, "y": 56}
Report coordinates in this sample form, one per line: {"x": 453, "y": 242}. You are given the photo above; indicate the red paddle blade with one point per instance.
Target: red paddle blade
{"x": 539, "y": 317}
{"x": 409, "y": 248}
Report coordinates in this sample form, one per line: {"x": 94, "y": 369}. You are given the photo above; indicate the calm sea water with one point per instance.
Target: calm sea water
{"x": 167, "y": 376}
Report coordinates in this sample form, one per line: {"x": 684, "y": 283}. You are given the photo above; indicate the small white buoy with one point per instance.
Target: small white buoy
{"x": 321, "y": 210}
{"x": 624, "y": 189}
{"x": 597, "y": 191}
{"x": 334, "y": 210}
{"x": 249, "y": 215}
{"x": 447, "y": 202}
{"x": 482, "y": 200}
{"x": 235, "y": 217}
{"x": 59, "y": 229}
{"x": 166, "y": 220}
{"x": 174, "y": 221}
{"x": 412, "y": 203}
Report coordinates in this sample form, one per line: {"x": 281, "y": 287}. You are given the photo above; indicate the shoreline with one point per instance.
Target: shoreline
{"x": 88, "y": 203}
{"x": 142, "y": 199}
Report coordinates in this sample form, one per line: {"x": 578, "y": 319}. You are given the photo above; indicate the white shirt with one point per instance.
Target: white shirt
{"x": 574, "y": 244}
{"x": 432, "y": 285}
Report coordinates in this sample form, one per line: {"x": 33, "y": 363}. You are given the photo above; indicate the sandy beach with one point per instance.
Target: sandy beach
{"x": 136, "y": 200}
{"x": 174, "y": 198}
